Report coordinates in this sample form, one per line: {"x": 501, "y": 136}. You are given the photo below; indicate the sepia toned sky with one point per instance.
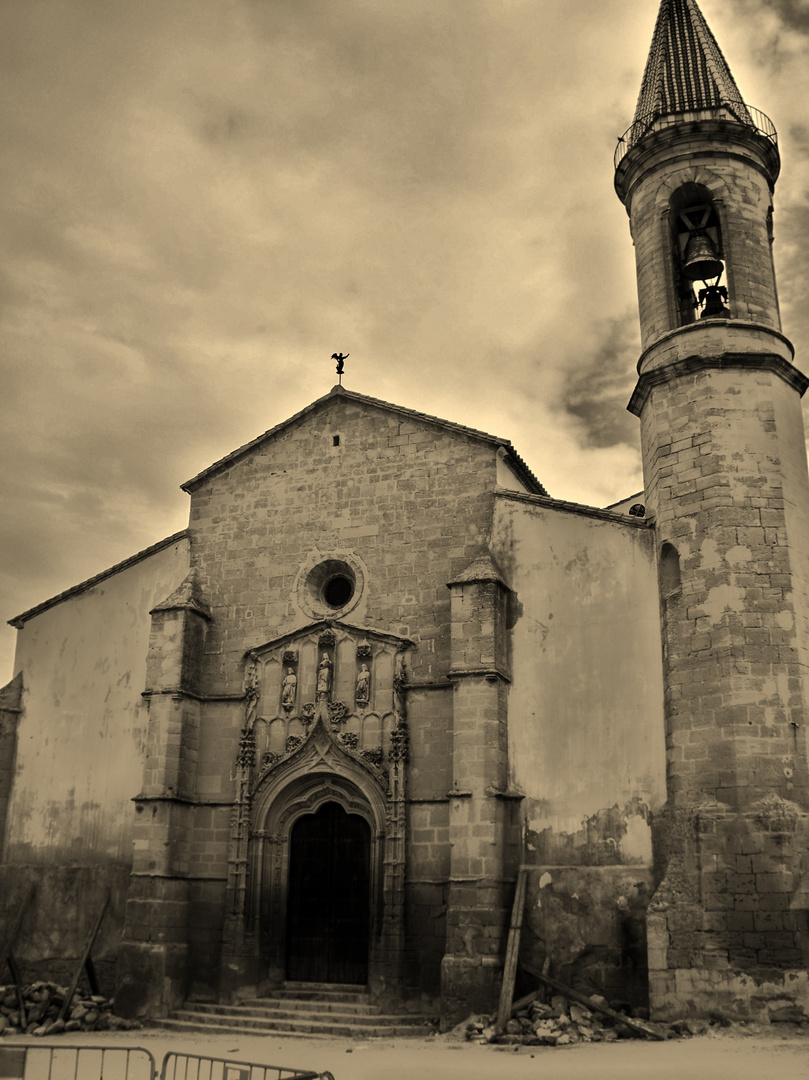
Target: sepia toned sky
{"x": 200, "y": 202}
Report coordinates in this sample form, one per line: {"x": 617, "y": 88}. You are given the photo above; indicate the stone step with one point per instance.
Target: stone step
{"x": 210, "y": 1028}
{"x": 305, "y": 1011}
{"x": 276, "y": 1006}
{"x": 320, "y": 992}
{"x": 219, "y": 1023}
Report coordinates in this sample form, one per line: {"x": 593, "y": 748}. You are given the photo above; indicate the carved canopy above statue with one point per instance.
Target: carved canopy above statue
{"x": 344, "y": 675}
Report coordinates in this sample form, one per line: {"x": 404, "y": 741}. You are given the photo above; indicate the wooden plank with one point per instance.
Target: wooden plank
{"x": 527, "y": 1000}
{"x": 82, "y": 963}
{"x": 512, "y": 952}
{"x": 574, "y": 995}
{"x": 92, "y": 978}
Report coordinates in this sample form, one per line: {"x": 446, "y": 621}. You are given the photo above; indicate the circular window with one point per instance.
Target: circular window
{"x": 338, "y": 590}
{"x": 331, "y": 587}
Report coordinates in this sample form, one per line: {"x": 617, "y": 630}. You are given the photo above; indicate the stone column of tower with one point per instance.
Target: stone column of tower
{"x": 725, "y": 474}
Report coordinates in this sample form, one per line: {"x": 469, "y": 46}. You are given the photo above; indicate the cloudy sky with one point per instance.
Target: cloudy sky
{"x": 200, "y": 202}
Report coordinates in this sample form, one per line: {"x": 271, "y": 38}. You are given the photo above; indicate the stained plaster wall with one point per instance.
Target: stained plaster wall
{"x": 586, "y": 731}
{"x": 81, "y": 733}
{"x": 79, "y": 762}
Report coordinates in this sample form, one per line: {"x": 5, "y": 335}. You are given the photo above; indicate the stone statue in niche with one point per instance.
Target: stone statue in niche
{"x": 324, "y": 676}
{"x": 252, "y": 689}
{"x": 289, "y": 689}
{"x": 363, "y": 692}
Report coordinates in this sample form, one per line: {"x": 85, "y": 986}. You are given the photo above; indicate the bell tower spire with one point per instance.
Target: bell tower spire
{"x": 685, "y": 71}
{"x": 727, "y": 488}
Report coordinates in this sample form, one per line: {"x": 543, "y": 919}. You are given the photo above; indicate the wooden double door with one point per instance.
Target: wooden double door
{"x": 328, "y": 897}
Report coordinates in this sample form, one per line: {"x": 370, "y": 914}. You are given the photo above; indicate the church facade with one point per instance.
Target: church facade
{"x": 316, "y": 736}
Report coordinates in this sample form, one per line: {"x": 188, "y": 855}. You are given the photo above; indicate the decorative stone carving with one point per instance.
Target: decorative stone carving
{"x": 246, "y": 758}
{"x": 308, "y": 712}
{"x": 349, "y": 739}
{"x": 363, "y": 692}
{"x": 290, "y": 656}
{"x": 337, "y": 712}
{"x": 364, "y": 651}
{"x": 327, "y": 637}
{"x": 374, "y": 756}
{"x": 399, "y": 742}
{"x": 399, "y": 672}
{"x": 399, "y": 737}
{"x": 252, "y": 689}
{"x": 268, "y": 759}
{"x": 289, "y": 690}
{"x": 324, "y": 674}
{"x": 293, "y": 742}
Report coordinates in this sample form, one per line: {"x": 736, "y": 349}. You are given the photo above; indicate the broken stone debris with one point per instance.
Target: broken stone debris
{"x": 559, "y": 1023}
{"x": 43, "y": 1000}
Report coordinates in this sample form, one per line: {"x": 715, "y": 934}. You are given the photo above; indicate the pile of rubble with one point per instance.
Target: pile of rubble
{"x": 561, "y": 1023}
{"x": 43, "y": 1002}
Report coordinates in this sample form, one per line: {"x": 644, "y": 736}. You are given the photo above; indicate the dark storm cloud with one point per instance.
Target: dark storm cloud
{"x": 599, "y": 382}
{"x": 200, "y": 202}
{"x": 793, "y": 13}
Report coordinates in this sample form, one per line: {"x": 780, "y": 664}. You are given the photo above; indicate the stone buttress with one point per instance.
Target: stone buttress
{"x": 152, "y": 963}
{"x": 481, "y": 808}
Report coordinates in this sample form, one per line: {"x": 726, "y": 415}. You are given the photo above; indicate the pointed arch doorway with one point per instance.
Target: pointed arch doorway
{"x": 329, "y": 897}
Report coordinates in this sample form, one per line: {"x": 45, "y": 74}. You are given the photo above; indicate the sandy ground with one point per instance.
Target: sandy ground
{"x": 776, "y": 1053}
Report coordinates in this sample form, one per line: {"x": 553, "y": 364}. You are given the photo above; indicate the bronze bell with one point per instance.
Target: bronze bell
{"x": 700, "y": 262}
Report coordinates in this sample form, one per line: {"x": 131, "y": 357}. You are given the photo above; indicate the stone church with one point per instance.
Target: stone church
{"x": 316, "y": 736}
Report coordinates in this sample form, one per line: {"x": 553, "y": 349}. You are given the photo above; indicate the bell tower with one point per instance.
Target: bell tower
{"x": 727, "y": 489}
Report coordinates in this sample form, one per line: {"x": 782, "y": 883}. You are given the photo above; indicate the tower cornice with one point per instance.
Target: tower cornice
{"x": 690, "y": 137}
{"x": 671, "y": 357}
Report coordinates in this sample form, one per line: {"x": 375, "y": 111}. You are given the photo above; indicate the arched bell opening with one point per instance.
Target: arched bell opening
{"x": 317, "y": 879}
{"x": 698, "y": 253}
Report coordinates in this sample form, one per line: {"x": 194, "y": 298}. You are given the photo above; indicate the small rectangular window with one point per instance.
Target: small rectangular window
{"x": 335, "y": 440}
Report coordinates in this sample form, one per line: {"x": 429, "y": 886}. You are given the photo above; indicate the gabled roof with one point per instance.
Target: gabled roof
{"x": 516, "y": 462}
{"x": 686, "y": 70}
{"x": 19, "y": 620}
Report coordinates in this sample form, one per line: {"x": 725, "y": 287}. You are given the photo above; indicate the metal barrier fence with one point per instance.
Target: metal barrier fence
{"x": 194, "y": 1067}
{"x": 76, "y": 1063}
{"x": 133, "y": 1063}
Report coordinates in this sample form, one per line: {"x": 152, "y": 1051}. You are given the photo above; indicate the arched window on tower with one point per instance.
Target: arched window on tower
{"x": 670, "y": 581}
{"x": 771, "y": 237}
{"x": 699, "y": 271}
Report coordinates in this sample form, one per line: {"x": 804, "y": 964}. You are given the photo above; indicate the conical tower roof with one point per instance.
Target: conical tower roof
{"x": 686, "y": 70}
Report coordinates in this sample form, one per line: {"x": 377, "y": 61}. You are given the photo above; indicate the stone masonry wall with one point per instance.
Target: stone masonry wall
{"x": 719, "y": 481}
{"x": 731, "y": 907}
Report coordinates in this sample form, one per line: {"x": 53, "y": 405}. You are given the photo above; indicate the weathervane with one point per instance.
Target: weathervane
{"x": 341, "y": 359}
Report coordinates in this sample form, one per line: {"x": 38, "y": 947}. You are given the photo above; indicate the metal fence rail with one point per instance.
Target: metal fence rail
{"x": 76, "y": 1063}
{"x": 196, "y": 1067}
